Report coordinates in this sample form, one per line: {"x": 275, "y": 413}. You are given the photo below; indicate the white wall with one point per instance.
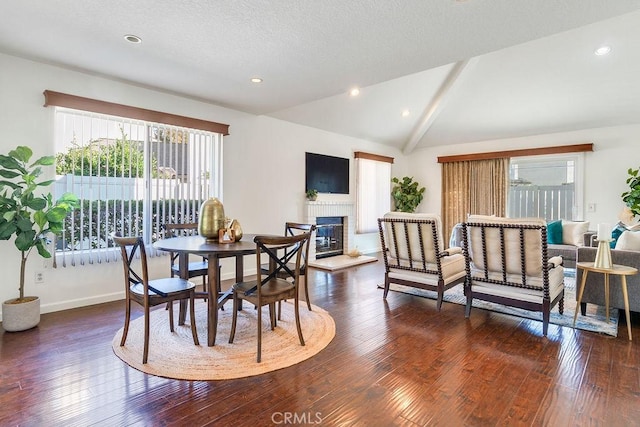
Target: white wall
{"x": 263, "y": 171}
{"x": 616, "y": 149}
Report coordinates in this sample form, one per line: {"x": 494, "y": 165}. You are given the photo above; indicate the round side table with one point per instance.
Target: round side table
{"x": 617, "y": 270}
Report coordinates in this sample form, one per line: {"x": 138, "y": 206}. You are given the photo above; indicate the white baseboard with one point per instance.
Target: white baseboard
{"x": 81, "y": 302}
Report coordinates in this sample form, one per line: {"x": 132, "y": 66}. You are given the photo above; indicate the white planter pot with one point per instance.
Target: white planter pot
{"x": 21, "y": 316}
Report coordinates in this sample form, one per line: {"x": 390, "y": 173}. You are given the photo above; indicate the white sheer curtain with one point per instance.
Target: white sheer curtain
{"x": 373, "y": 190}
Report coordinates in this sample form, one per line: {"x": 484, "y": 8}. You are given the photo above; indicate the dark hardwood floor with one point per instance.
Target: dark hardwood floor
{"x": 394, "y": 362}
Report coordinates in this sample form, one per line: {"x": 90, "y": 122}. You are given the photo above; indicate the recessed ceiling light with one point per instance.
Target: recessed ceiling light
{"x": 405, "y": 113}
{"x": 256, "y": 80}
{"x": 354, "y": 92}
{"x": 132, "y": 39}
{"x": 602, "y": 50}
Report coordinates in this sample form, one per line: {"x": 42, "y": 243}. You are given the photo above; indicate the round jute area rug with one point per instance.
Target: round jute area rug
{"x": 173, "y": 355}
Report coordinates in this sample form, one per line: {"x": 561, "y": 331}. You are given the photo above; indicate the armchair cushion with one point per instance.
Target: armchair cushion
{"x": 532, "y": 249}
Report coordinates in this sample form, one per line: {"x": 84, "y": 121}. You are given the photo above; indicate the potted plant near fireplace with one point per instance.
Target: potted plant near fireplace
{"x": 312, "y": 194}
{"x": 30, "y": 218}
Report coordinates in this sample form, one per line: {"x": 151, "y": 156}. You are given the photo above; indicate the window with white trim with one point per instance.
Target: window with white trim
{"x": 131, "y": 176}
{"x": 549, "y": 187}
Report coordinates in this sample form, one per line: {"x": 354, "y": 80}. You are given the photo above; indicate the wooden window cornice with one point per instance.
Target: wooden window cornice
{"x": 113, "y": 109}
{"x": 561, "y": 149}
{"x": 369, "y": 156}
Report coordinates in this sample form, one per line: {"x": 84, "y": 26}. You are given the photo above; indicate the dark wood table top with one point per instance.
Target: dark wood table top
{"x": 198, "y": 245}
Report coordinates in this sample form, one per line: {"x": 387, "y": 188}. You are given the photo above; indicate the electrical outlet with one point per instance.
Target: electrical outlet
{"x": 39, "y": 277}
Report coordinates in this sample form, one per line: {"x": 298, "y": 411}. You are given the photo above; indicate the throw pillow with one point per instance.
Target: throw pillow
{"x": 629, "y": 241}
{"x": 620, "y": 228}
{"x": 572, "y": 232}
{"x": 554, "y": 232}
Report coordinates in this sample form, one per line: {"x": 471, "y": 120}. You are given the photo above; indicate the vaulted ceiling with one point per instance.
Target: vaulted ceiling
{"x": 465, "y": 70}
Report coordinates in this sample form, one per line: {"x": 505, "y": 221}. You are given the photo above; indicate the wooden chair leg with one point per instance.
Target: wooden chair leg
{"x": 440, "y": 295}
{"x": 272, "y": 315}
{"x": 145, "y": 353}
{"x": 192, "y": 314}
{"x": 297, "y": 313}
{"x": 127, "y": 318}
{"x": 306, "y": 292}
{"x": 232, "y": 334}
{"x": 259, "y": 334}
{"x": 386, "y": 286}
{"x": 171, "y": 316}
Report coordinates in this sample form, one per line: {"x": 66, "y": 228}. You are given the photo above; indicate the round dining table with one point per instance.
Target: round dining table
{"x": 213, "y": 251}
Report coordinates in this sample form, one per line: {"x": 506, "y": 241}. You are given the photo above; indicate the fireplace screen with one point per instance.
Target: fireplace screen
{"x": 329, "y": 236}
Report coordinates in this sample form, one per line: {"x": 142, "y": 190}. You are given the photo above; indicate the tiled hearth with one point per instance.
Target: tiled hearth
{"x": 346, "y": 210}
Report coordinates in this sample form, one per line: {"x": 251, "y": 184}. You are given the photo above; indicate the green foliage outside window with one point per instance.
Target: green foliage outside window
{"x": 123, "y": 158}
{"x": 97, "y": 219}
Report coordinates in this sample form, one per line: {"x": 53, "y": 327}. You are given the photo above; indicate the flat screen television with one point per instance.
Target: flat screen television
{"x": 327, "y": 174}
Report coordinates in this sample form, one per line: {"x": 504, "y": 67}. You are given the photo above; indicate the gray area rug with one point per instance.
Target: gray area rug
{"x": 594, "y": 321}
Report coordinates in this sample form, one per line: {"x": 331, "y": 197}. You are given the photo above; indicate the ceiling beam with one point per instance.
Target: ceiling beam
{"x": 437, "y": 103}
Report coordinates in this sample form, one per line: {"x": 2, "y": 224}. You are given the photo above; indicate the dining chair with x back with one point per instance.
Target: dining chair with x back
{"x": 293, "y": 229}
{"x": 270, "y": 288}
{"x": 149, "y": 293}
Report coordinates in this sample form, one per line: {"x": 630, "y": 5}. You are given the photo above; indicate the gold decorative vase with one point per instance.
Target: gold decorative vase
{"x": 237, "y": 230}
{"x": 211, "y": 219}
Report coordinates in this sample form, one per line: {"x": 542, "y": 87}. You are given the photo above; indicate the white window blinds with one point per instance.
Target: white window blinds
{"x": 132, "y": 177}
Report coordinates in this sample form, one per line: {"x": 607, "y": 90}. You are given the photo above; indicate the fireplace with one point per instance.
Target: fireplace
{"x": 342, "y": 210}
{"x": 329, "y": 236}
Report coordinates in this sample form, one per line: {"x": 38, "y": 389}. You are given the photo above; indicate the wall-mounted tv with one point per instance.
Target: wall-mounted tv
{"x": 327, "y": 174}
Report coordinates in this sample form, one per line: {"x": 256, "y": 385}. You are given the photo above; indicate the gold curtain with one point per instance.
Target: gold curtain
{"x": 455, "y": 190}
{"x": 473, "y": 187}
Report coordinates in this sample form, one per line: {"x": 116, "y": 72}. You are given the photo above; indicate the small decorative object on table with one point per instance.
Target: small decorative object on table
{"x": 237, "y": 229}
{"x": 211, "y": 219}
{"x": 354, "y": 253}
{"x": 603, "y": 254}
{"x": 226, "y": 235}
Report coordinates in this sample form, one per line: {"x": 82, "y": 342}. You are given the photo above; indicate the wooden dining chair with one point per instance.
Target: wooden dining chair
{"x": 269, "y": 288}
{"x": 293, "y": 229}
{"x": 195, "y": 268}
{"x": 149, "y": 293}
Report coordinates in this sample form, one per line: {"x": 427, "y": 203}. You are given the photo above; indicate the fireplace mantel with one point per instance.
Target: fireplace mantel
{"x": 317, "y": 209}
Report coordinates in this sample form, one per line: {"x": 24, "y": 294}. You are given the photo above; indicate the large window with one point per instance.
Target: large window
{"x": 132, "y": 176}
{"x": 547, "y": 187}
{"x": 373, "y": 190}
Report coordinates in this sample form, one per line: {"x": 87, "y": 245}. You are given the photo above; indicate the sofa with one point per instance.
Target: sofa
{"x": 564, "y": 237}
{"x": 569, "y": 252}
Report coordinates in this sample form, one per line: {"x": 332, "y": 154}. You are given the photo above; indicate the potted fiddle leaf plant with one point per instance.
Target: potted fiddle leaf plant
{"x": 29, "y": 217}
{"x": 407, "y": 194}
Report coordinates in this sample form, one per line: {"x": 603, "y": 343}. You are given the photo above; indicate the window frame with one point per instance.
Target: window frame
{"x": 96, "y": 109}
